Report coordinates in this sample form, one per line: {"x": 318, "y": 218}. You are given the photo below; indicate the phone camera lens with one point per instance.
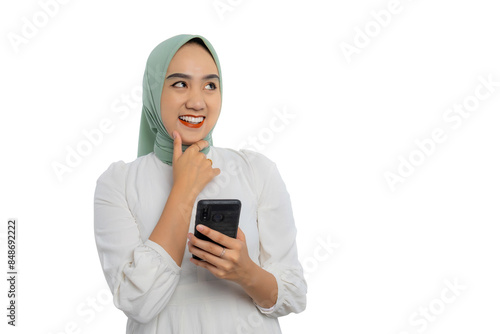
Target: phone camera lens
{"x": 204, "y": 215}
{"x": 217, "y": 217}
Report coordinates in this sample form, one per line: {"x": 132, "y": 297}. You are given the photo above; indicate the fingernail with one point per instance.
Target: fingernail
{"x": 174, "y": 134}
{"x": 200, "y": 228}
{"x": 189, "y": 237}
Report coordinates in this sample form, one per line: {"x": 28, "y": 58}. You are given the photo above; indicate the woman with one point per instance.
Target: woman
{"x": 144, "y": 213}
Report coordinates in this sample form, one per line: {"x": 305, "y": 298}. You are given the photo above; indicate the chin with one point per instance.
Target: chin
{"x": 190, "y": 139}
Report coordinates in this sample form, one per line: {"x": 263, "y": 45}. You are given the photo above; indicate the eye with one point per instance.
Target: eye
{"x": 179, "y": 84}
{"x": 210, "y": 86}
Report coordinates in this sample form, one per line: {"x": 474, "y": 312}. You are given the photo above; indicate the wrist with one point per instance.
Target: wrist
{"x": 251, "y": 278}
{"x": 261, "y": 286}
{"x": 183, "y": 194}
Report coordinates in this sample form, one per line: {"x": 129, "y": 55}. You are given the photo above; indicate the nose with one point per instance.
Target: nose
{"x": 195, "y": 100}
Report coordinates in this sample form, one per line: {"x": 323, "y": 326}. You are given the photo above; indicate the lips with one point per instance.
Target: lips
{"x": 192, "y": 121}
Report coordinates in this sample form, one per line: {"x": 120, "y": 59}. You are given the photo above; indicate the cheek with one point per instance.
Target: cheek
{"x": 169, "y": 123}
{"x": 214, "y": 103}
{"x": 169, "y": 111}
{"x": 170, "y": 102}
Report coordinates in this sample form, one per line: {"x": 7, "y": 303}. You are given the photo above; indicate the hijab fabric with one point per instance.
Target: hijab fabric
{"x": 153, "y": 137}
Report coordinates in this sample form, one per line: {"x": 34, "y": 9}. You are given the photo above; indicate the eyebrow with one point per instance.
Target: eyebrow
{"x": 186, "y": 76}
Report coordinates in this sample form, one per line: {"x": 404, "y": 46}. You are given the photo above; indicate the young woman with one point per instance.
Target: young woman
{"x": 144, "y": 213}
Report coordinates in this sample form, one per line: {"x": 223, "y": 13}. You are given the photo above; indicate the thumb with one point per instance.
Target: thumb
{"x": 177, "y": 146}
{"x": 240, "y": 235}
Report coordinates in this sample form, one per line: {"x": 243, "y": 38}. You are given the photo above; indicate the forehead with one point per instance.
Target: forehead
{"x": 192, "y": 58}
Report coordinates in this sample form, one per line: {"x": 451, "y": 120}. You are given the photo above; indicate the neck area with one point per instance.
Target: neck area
{"x": 164, "y": 147}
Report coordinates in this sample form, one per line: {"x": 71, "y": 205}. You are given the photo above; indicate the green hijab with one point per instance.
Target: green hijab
{"x": 153, "y": 137}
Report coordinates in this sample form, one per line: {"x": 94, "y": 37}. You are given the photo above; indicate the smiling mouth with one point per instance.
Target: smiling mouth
{"x": 192, "y": 121}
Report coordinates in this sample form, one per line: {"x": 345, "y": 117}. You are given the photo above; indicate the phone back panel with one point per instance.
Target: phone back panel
{"x": 219, "y": 214}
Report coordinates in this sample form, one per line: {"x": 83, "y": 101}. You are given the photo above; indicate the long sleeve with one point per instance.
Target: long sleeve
{"x": 141, "y": 275}
{"x": 277, "y": 232}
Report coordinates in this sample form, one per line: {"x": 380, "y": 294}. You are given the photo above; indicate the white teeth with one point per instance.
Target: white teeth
{"x": 193, "y": 120}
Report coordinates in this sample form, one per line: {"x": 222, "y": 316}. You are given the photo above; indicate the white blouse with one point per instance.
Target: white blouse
{"x": 155, "y": 293}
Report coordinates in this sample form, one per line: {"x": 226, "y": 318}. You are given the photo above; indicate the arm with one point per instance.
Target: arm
{"x": 277, "y": 283}
{"x": 141, "y": 275}
{"x": 192, "y": 172}
{"x": 173, "y": 225}
{"x": 277, "y": 235}
{"x": 261, "y": 286}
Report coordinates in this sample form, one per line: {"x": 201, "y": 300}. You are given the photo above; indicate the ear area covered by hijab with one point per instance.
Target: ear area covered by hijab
{"x": 153, "y": 137}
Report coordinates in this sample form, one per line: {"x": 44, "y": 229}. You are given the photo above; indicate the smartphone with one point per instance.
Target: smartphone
{"x": 222, "y": 215}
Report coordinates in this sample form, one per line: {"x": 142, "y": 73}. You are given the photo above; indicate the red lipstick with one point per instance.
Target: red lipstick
{"x": 192, "y": 121}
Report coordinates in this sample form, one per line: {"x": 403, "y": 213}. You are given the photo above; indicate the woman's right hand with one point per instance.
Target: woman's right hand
{"x": 192, "y": 170}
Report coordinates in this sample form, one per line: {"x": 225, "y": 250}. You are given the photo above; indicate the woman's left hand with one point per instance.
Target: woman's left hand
{"x": 235, "y": 264}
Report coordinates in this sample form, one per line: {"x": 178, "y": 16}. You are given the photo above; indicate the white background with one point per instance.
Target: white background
{"x": 395, "y": 250}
